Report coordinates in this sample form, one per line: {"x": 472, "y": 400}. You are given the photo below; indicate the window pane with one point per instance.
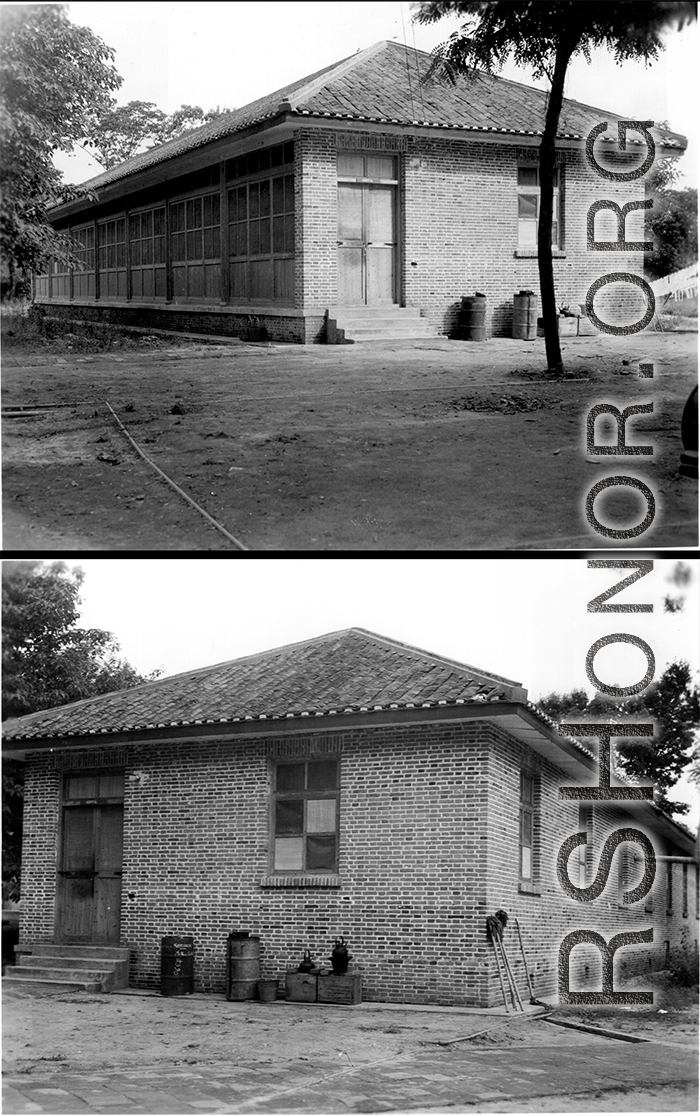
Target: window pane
{"x": 208, "y": 244}
{"x": 527, "y": 176}
{"x": 527, "y": 234}
{"x": 207, "y": 211}
{"x": 289, "y": 233}
{"x": 289, "y": 816}
{"x": 264, "y": 199}
{"x": 159, "y": 249}
{"x": 242, "y": 214}
{"x": 82, "y": 786}
{"x": 555, "y": 234}
{"x": 278, "y": 195}
{"x": 159, "y": 222}
{"x": 254, "y": 200}
{"x": 380, "y": 166}
{"x": 111, "y": 785}
{"x": 289, "y": 193}
{"x": 255, "y": 238}
{"x": 525, "y": 864}
{"x": 264, "y": 237}
{"x": 323, "y": 776}
{"x": 320, "y": 853}
{"x": 278, "y": 234}
{"x": 147, "y": 252}
{"x": 289, "y": 853}
{"x": 320, "y": 815}
{"x": 350, "y": 165}
{"x": 527, "y": 205}
{"x": 146, "y": 224}
{"x": 290, "y": 776}
{"x": 215, "y": 209}
{"x": 526, "y": 788}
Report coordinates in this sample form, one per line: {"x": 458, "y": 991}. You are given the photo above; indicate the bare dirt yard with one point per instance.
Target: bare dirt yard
{"x": 428, "y": 445}
{"x": 75, "y": 1033}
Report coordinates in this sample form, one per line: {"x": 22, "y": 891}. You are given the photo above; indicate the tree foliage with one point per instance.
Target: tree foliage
{"x": 544, "y": 37}
{"x": 55, "y": 82}
{"x": 124, "y": 130}
{"x": 673, "y": 221}
{"x": 47, "y": 660}
{"x": 673, "y": 702}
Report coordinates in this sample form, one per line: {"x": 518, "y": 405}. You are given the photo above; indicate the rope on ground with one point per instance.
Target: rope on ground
{"x": 172, "y": 484}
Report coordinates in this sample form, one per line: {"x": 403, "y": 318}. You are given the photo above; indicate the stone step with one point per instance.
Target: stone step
{"x": 104, "y": 979}
{"x": 103, "y": 964}
{"x": 41, "y": 985}
{"x": 410, "y": 325}
{"x": 47, "y": 949}
{"x": 367, "y": 334}
{"x": 374, "y": 311}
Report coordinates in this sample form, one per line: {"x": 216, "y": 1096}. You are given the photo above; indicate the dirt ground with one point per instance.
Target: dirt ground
{"x": 99, "y": 1032}
{"x": 429, "y": 445}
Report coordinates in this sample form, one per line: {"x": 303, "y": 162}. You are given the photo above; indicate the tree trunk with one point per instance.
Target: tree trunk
{"x": 544, "y": 232}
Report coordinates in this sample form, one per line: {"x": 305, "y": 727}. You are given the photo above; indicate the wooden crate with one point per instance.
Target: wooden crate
{"x": 346, "y": 989}
{"x": 301, "y": 987}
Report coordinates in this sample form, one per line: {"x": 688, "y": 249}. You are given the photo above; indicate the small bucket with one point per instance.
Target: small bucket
{"x": 267, "y": 990}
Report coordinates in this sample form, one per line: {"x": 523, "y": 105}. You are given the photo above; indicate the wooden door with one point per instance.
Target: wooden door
{"x": 90, "y": 871}
{"x": 366, "y": 244}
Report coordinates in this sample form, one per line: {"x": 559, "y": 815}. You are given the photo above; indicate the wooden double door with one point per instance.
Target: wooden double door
{"x": 90, "y": 867}
{"x": 367, "y": 244}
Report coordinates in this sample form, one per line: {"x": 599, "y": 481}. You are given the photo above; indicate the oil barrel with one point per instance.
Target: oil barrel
{"x": 525, "y": 316}
{"x": 471, "y": 318}
{"x": 176, "y": 965}
{"x": 243, "y": 967}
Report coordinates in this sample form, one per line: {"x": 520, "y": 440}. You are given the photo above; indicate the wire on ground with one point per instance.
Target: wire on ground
{"x": 214, "y": 522}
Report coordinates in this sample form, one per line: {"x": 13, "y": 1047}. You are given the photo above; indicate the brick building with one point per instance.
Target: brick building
{"x": 347, "y": 785}
{"x": 356, "y": 198}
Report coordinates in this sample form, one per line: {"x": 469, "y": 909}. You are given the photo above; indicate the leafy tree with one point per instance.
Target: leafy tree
{"x": 545, "y": 37}
{"x": 674, "y": 704}
{"x": 55, "y": 81}
{"x": 674, "y": 224}
{"x": 125, "y": 130}
{"x": 47, "y": 661}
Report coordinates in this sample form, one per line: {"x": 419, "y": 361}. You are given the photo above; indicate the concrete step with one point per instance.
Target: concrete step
{"x": 36, "y": 960}
{"x": 367, "y": 334}
{"x": 41, "y": 985}
{"x": 374, "y": 311}
{"x": 102, "y": 978}
{"x": 409, "y": 325}
{"x": 47, "y": 949}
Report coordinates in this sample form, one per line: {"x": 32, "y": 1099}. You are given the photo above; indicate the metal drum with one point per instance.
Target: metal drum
{"x": 471, "y": 319}
{"x": 243, "y": 967}
{"x": 525, "y": 316}
{"x": 176, "y": 966}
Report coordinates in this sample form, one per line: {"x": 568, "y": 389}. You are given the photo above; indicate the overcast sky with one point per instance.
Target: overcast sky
{"x": 525, "y": 619}
{"x": 228, "y": 54}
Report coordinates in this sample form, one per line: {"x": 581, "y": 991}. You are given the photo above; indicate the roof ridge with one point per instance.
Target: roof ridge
{"x": 400, "y": 645}
{"x": 339, "y": 69}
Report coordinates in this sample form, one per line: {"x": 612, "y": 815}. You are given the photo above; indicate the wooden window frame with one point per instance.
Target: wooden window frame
{"x": 534, "y": 191}
{"x": 103, "y": 247}
{"x": 305, "y": 795}
{"x": 190, "y": 259}
{"x": 284, "y": 174}
{"x": 140, "y": 240}
{"x": 529, "y": 818}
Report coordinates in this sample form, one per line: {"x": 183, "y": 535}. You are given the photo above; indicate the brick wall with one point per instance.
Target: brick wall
{"x": 40, "y": 835}
{"x": 296, "y": 329}
{"x": 316, "y": 221}
{"x": 547, "y": 917}
{"x": 428, "y": 848}
{"x": 461, "y": 235}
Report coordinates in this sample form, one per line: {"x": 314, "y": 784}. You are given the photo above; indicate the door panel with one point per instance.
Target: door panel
{"x": 89, "y": 880}
{"x": 366, "y": 244}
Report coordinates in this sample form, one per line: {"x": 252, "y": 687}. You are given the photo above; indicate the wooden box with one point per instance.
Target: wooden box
{"x": 301, "y": 987}
{"x": 346, "y": 989}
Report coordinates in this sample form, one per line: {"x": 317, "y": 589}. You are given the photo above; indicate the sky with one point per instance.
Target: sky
{"x": 525, "y": 619}
{"x": 228, "y": 54}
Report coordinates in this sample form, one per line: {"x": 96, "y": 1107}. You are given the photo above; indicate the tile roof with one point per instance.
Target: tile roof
{"x": 383, "y": 84}
{"x": 352, "y": 670}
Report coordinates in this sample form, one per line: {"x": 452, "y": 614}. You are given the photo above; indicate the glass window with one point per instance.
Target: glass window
{"x": 529, "y": 208}
{"x": 305, "y": 816}
{"x": 527, "y": 826}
